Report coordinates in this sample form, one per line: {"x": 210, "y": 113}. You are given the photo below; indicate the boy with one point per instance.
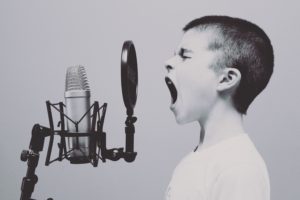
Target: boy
{"x": 221, "y": 65}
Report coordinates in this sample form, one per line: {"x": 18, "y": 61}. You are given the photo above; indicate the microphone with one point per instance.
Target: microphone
{"x": 77, "y": 101}
{"x": 84, "y": 123}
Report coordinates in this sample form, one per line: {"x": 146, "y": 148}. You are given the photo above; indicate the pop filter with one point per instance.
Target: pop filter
{"x": 129, "y": 76}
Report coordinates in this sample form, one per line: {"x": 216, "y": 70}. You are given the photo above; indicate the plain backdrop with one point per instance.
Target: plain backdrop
{"x": 40, "y": 39}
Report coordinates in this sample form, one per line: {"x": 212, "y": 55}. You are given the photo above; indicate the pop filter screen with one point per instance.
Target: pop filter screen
{"x": 129, "y": 76}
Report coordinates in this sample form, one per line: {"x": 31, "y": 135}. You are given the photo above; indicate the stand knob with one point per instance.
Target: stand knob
{"x": 24, "y": 155}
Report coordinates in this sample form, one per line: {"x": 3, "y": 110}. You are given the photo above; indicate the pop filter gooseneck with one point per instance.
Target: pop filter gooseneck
{"x": 129, "y": 76}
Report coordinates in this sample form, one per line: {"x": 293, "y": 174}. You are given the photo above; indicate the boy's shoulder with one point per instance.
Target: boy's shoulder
{"x": 237, "y": 153}
{"x": 229, "y": 162}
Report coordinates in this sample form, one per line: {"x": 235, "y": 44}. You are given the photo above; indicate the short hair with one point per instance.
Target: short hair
{"x": 244, "y": 46}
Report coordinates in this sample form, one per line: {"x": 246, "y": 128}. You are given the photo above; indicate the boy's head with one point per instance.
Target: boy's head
{"x": 232, "y": 51}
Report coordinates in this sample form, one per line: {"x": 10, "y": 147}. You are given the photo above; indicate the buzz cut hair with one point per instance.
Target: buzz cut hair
{"x": 241, "y": 45}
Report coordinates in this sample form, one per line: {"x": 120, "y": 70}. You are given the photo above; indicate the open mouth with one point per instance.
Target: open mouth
{"x": 172, "y": 89}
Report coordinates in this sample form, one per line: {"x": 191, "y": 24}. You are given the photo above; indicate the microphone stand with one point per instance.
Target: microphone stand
{"x": 38, "y": 135}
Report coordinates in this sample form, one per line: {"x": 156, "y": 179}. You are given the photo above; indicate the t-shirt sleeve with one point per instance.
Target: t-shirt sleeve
{"x": 241, "y": 183}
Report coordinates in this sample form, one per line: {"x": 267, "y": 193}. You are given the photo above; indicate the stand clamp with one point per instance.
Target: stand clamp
{"x": 32, "y": 157}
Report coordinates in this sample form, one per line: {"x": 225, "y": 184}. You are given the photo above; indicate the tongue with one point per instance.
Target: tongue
{"x": 172, "y": 89}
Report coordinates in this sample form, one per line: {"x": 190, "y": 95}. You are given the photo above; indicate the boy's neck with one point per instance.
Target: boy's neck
{"x": 223, "y": 123}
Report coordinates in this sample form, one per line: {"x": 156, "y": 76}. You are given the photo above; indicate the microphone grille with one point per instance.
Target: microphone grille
{"x": 76, "y": 79}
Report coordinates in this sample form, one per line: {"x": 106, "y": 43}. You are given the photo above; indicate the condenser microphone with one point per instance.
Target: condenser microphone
{"x": 77, "y": 101}
{"x": 82, "y": 139}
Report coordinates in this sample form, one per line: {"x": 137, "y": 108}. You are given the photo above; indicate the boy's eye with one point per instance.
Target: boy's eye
{"x": 182, "y": 54}
{"x": 184, "y": 57}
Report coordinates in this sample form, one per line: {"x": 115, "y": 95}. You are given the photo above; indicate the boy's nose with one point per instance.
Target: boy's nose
{"x": 169, "y": 67}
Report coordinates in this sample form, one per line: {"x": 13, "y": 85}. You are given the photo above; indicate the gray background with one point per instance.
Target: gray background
{"x": 40, "y": 39}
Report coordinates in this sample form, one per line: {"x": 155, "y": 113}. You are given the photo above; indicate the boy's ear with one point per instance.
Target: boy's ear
{"x": 229, "y": 79}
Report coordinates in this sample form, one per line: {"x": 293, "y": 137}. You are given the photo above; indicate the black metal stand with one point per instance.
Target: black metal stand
{"x": 97, "y": 145}
{"x": 130, "y": 130}
{"x": 32, "y": 157}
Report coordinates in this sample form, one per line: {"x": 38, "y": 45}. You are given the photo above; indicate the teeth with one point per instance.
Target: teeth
{"x": 172, "y": 89}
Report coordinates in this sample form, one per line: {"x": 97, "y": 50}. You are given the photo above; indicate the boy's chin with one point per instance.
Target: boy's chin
{"x": 182, "y": 119}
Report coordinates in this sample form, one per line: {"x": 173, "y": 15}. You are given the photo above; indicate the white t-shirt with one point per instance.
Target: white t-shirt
{"x": 229, "y": 170}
